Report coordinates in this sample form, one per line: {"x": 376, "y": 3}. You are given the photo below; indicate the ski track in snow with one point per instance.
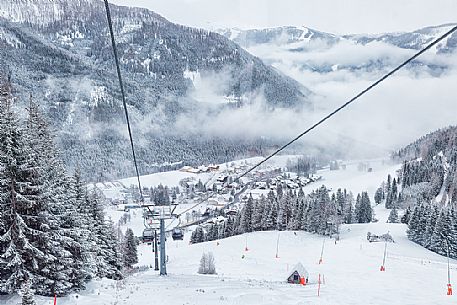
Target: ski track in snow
{"x": 350, "y": 267}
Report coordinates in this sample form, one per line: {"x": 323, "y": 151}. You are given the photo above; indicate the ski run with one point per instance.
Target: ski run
{"x": 349, "y": 272}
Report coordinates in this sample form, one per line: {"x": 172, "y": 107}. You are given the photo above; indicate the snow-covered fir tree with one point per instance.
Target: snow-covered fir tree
{"x": 129, "y": 248}
{"x": 379, "y": 195}
{"x": 363, "y": 209}
{"x": 317, "y": 212}
{"x": 444, "y": 229}
{"x": 108, "y": 257}
{"x": 207, "y": 264}
{"x": 393, "y": 216}
{"x": 27, "y": 292}
{"x": 246, "y": 216}
{"x": 198, "y": 236}
{"x": 41, "y": 234}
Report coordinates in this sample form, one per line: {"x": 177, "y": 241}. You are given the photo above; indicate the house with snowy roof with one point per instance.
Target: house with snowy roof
{"x": 298, "y": 275}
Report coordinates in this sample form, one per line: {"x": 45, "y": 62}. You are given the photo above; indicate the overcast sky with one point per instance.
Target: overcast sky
{"x": 336, "y": 16}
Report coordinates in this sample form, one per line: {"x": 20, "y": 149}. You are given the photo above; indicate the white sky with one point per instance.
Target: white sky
{"x": 335, "y": 16}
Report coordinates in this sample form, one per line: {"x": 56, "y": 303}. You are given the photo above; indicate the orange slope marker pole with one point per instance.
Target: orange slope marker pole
{"x": 322, "y": 253}
{"x": 449, "y": 286}
{"x": 319, "y": 285}
{"x": 277, "y": 246}
{"x": 383, "y": 268}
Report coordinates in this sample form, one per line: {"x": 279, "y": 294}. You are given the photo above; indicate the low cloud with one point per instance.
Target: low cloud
{"x": 404, "y": 107}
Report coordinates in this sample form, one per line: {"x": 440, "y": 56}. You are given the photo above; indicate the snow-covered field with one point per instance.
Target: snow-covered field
{"x": 354, "y": 180}
{"x": 172, "y": 178}
{"x": 350, "y": 269}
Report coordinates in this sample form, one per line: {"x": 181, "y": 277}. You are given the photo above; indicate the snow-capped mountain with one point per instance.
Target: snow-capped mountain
{"x": 308, "y": 49}
{"x": 288, "y": 35}
{"x": 414, "y": 40}
{"x": 60, "y": 51}
{"x": 280, "y": 35}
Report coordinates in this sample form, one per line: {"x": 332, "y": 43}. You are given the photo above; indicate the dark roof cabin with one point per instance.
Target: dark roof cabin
{"x": 299, "y": 275}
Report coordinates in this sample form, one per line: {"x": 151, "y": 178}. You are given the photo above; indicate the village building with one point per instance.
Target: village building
{"x": 299, "y": 275}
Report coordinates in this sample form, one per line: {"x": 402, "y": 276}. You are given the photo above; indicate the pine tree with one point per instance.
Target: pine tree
{"x": 198, "y": 236}
{"x": 358, "y": 209}
{"x": 393, "y": 215}
{"x": 228, "y": 227}
{"x": 340, "y": 202}
{"x": 442, "y": 233}
{"x": 417, "y": 225}
{"x": 41, "y": 234}
{"x": 394, "y": 190}
{"x": 406, "y": 216}
{"x": 306, "y": 224}
{"x": 389, "y": 184}
{"x": 284, "y": 212}
{"x": 221, "y": 230}
{"x": 246, "y": 216}
{"x": 54, "y": 196}
{"x": 259, "y": 206}
{"x": 86, "y": 224}
{"x": 130, "y": 252}
{"x": 20, "y": 253}
{"x": 265, "y": 224}
{"x": 27, "y": 294}
{"x": 212, "y": 233}
{"x": 207, "y": 264}
{"x": 279, "y": 190}
{"x": 108, "y": 259}
{"x": 378, "y": 196}
{"x": 315, "y": 212}
{"x": 389, "y": 200}
{"x": 349, "y": 209}
{"x": 367, "y": 207}
{"x": 297, "y": 214}
{"x": 453, "y": 236}
{"x": 363, "y": 209}
{"x": 431, "y": 214}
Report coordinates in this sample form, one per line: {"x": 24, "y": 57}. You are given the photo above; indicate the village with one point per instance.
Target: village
{"x": 216, "y": 188}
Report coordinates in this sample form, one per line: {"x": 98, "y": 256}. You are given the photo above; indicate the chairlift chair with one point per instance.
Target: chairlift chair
{"x": 177, "y": 234}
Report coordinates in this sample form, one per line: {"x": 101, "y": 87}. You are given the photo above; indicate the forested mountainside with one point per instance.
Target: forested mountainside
{"x": 426, "y": 187}
{"x": 60, "y": 53}
{"x": 432, "y": 161}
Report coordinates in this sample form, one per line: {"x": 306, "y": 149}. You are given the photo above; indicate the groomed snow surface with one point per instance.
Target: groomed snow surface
{"x": 350, "y": 270}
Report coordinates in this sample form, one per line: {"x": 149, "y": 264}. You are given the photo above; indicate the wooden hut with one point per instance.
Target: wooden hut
{"x": 298, "y": 275}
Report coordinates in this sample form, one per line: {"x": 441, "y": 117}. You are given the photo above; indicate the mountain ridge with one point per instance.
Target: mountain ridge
{"x": 60, "y": 52}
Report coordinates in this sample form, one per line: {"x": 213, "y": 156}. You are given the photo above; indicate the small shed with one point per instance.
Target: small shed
{"x": 298, "y": 275}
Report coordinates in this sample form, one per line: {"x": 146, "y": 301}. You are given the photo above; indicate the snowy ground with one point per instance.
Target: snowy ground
{"x": 350, "y": 267}
{"x": 172, "y": 178}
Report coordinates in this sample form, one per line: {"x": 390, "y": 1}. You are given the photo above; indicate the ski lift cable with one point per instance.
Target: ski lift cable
{"x": 116, "y": 59}
{"x": 376, "y": 83}
{"x": 201, "y": 201}
{"x": 351, "y": 100}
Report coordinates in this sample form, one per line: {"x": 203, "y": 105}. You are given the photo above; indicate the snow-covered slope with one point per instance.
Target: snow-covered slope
{"x": 350, "y": 270}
